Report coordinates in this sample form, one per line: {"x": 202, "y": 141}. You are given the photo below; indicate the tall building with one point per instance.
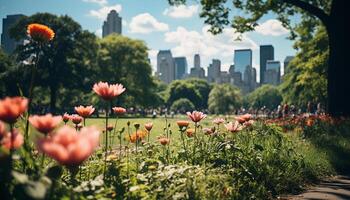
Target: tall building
{"x": 266, "y": 53}
{"x": 197, "y": 61}
{"x": 273, "y": 72}
{"x": 197, "y": 71}
{"x": 214, "y": 71}
{"x": 242, "y": 59}
{"x": 180, "y": 67}
{"x": 113, "y": 24}
{"x": 7, "y": 43}
{"x": 165, "y": 66}
{"x": 286, "y": 63}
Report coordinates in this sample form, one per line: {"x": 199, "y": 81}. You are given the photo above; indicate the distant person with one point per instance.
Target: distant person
{"x": 154, "y": 114}
{"x": 309, "y": 107}
{"x": 279, "y": 111}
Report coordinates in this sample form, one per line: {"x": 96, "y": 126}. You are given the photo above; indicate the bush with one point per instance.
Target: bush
{"x": 182, "y": 105}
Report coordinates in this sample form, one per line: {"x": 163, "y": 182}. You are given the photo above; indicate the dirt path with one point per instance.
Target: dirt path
{"x": 337, "y": 187}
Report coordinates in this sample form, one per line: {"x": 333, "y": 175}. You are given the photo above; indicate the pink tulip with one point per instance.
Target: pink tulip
{"x": 17, "y": 140}
{"x": 218, "y": 121}
{"x": 233, "y": 127}
{"x": 196, "y": 116}
{"x": 66, "y": 117}
{"x": 108, "y": 91}
{"x": 45, "y": 123}
{"x": 68, "y": 147}
{"x": 11, "y": 108}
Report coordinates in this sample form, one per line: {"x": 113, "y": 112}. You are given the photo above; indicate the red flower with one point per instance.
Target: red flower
{"x": 11, "y": 108}
{"x": 15, "y": 143}
{"x": 2, "y": 129}
{"x": 84, "y": 111}
{"x": 149, "y": 126}
{"x": 196, "y": 116}
{"x": 119, "y": 110}
{"x": 110, "y": 128}
{"x": 76, "y": 119}
{"x": 190, "y": 132}
{"x": 66, "y": 117}
{"x": 45, "y": 123}
{"x": 108, "y": 92}
{"x": 40, "y": 33}
{"x": 68, "y": 147}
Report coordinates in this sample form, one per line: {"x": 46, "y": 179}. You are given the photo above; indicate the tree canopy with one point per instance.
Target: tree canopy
{"x": 224, "y": 98}
{"x": 266, "y": 95}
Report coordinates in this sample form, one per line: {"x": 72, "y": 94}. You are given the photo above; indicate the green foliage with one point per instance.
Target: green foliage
{"x": 306, "y": 78}
{"x": 124, "y": 60}
{"x": 266, "y": 95}
{"x": 195, "y": 90}
{"x": 67, "y": 62}
{"x": 182, "y": 105}
{"x": 223, "y": 98}
{"x": 6, "y": 63}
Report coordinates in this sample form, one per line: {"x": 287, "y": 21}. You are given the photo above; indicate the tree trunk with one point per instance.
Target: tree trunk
{"x": 53, "y": 98}
{"x": 338, "y": 69}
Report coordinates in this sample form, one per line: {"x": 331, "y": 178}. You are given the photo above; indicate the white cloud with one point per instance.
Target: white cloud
{"x": 207, "y": 45}
{"x": 271, "y": 27}
{"x": 181, "y": 11}
{"x": 103, "y": 12}
{"x": 146, "y": 23}
{"x": 100, "y": 2}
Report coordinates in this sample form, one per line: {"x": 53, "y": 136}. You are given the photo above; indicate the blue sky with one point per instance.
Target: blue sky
{"x": 163, "y": 27}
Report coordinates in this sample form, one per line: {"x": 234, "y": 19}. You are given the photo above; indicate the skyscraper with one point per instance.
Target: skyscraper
{"x": 273, "y": 72}
{"x": 180, "y": 67}
{"x": 242, "y": 59}
{"x": 7, "y": 43}
{"x": 113, "y": 24}
{"x": 165, "y": 66}
{"x": 286, "y": 63}
{"x": 197, "y": 61}
{"x": 266, "y": 53}
{"x": 214, "y": 71}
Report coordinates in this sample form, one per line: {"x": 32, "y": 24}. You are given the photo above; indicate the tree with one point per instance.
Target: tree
{"x": 266, "y": 95}
{"x": 195, "y": 90}
{"x": 331, "y": 14}
{"x": 182, "y": 105}
{"x": 306, "y": 78}
{"x": 224, "y": 98}
{"x": 68, "y": 62}
{"x": 124, "y": 60}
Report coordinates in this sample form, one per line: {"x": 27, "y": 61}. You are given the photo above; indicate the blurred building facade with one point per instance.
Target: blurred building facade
{"x": 7, "y": 43}
{"x": 113, "y": 24}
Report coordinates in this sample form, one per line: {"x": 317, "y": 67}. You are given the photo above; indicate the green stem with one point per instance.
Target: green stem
{"x": 136, "y": 143}
{"x": 183, "y": 143}
{"x": 106, "y": 142}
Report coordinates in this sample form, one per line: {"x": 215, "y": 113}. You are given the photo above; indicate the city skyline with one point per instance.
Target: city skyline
{"x": 163, "y": 25}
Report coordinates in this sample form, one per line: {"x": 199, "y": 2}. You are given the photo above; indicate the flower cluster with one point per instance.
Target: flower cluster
{"x": 40, "y": 33}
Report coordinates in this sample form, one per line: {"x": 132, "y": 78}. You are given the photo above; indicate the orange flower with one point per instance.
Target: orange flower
{"x": 45, "y": 123}
{"x": 76, "y": 119}
{"x": 17, "y": 140}
{"x": 69, "y": 147}
{"x": 190, "y": 132}
{"x": 196, "y": 116}
{"x": 40, "y": 33}
{"x": 119, "y": 110}
{"x": 11, "y": 108}
{"x": 108, "y": 91}
{"x": 139, "y": 136}
{"x": 182, "y": 124}
{"x": 309, "y": 122}
{"x": 163, "y": 140}
{"x": 84, "y": 111}
{"x": 149, "y": 126}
